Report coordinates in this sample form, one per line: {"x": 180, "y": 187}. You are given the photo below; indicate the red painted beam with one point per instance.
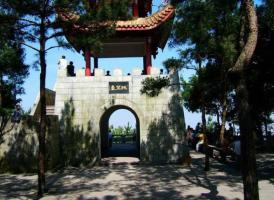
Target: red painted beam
{"x": 148, "y": 57}
{"x": 87, "y": 59}
{"x": 135, "y": 10}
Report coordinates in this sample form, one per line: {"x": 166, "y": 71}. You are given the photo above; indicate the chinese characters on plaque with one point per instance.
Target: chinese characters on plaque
{"x": 118, "y": 88}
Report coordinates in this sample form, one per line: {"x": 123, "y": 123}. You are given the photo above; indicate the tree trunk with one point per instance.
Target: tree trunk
{"x": 205, "y": 140}
{"x": 42, "y": 149}
{"x": 218, "y": 117}
{"x": 203, "y": 120}
{"x": 249, "y": 172}
{"x": 0, "y": 92}
{"x": 265, "y": 125}
{"x": 267, "y": 133}
{"x": 224, "y": 112}
{"x": 250, "y": 45}
{"x": 2, "y": 117}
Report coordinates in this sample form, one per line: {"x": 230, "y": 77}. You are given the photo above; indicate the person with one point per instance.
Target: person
{"x": 236, "y": 148}
{"x": 161, "y": 71}
{"x": 198, "y": 128}
{"x": 231, "y": 129}
{"x": 215, "y": 133}
{"x": 16, "y": 115}
{"x": 200, "y": 143}
{"x": 62, "y": 63}
{"x": 143, "y": 72}
{"x": 225, "y": 148}
{"x": 189, "y": 135}
{"x": 70, "y": 69}
{"x": 110, "y": 136}
{"x": 108, "y": 73}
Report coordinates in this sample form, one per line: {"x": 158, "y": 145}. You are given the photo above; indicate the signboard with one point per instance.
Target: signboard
{"x": 118, "y": 87}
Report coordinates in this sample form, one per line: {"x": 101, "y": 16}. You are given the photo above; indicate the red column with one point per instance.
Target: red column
{"x": 148, "y": 57}
{"x": 135, "y": 10}
{"x": 87, "y": 59}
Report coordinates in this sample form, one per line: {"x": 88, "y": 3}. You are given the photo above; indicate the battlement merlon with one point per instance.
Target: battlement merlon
{"x": 154, "y": 71}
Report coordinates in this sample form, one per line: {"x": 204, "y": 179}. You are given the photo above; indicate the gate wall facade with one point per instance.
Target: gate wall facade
{"x": 161, "y": 118}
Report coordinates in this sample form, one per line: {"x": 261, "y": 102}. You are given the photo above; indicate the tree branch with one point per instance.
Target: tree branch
{"x": 58, "y": 34}
{"x": 30, "y": 46}
{"x": 32, "y": 23}
{"x": 29, "y": 35}
{"x": 57, "y": 46}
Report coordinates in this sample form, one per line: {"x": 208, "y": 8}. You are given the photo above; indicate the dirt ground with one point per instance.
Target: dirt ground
{"x": 124, "y": 178}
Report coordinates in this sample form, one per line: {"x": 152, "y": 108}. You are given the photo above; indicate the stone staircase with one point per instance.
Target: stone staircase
{"x": 50, "y": 105}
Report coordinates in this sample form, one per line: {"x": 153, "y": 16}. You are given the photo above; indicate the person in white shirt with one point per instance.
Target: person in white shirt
{"x": 62, "y": 63}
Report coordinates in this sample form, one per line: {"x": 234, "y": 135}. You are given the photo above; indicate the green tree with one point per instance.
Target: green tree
{"x": 98, "y": 17}
{"x": 260, "y": 81}
{"x": 210, "y": 42}
{"x": 248, "y": 42}
{"x": 39, "y": 25}
{"x": 13, "y": 71}
{"x": 128, "y": 129}
{"x": 214, "y": 37}
{"x": 37, "y": 22}
{"x": 248, "y": 39}
{"x": 118, "y": 131}
{"x": 196, "y": 27}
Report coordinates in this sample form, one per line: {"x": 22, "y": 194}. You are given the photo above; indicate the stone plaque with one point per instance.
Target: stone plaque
{"x": 118, "y": 87}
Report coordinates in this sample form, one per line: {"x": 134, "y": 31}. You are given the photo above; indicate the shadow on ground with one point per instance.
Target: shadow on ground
{"x": 223, "y": 182}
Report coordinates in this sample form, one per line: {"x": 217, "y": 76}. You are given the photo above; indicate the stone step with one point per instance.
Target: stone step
{"x": 109, "y": 161}
{"x": 50, "y": 110}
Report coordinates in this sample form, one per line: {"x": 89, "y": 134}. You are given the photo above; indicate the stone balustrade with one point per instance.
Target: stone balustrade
{"x": 99, "y": 72}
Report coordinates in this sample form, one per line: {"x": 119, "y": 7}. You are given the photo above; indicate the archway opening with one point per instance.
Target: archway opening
{"x": 120, "y": 132}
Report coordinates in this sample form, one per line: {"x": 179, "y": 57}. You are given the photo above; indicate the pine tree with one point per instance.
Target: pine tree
{"x": 39, "y": 24}
{"x": 195, "y": 27}
{"x": 13, "y": 71}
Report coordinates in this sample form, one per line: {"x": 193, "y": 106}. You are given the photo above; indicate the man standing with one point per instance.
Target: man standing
{"x": 70, "y": 69}
{"x": 62, "y": 63}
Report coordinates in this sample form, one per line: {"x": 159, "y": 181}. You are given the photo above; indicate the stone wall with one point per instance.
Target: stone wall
{"x": 161, "y": 118}
{"x": 18, "y": 151}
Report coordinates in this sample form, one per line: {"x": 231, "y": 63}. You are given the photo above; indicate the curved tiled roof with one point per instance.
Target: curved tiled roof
{"x": 147, "y": 23}
{"x": 139, "y": 24}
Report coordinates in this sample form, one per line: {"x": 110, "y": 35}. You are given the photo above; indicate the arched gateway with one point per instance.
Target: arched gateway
{"x": 104, "y": 125}
{"x": 94, "y": 95}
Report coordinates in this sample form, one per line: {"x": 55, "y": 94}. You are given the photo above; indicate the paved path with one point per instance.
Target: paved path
{"x": 122, "y": 150}
{"x": 133, "y": 181}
